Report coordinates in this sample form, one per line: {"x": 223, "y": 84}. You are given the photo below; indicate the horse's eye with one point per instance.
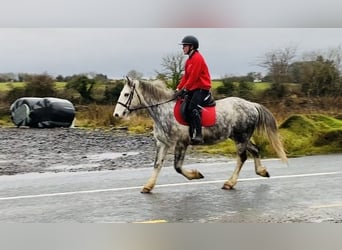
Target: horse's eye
{"x": 126, "y": 94}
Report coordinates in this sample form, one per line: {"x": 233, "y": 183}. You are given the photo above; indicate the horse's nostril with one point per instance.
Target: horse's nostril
{"x": 116, "y": 115}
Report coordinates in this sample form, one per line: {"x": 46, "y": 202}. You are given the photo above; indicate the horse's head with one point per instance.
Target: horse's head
{"x": 127, "y": 100}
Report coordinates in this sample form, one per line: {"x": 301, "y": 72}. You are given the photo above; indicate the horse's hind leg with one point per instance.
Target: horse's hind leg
{"x": 158, "y": 163}
{"x": 180, "y": 150}
{"x": 259, "y": 168}
{"x": 242, "y": 157}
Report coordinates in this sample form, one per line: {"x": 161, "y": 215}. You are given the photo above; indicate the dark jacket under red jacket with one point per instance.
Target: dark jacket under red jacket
{"x": 196, "y": 75}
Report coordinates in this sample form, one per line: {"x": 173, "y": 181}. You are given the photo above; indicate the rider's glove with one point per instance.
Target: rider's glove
{"x": 180, "y": 93}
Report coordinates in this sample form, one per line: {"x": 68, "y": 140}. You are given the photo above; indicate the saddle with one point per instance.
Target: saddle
{"x": 209, "y": 101}
{"x": 208, "y": 111}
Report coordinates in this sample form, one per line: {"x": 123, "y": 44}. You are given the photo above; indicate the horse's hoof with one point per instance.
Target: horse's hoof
{"x": 264, "y": 174}
{"x": 227, "y": 187}
{"x": 145, "y": 191}
{"x": 262, "y": 171}
{"x": 200, "y": 176}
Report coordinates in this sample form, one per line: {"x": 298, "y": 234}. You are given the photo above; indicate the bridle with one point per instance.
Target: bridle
{"x": 128, "y": 103}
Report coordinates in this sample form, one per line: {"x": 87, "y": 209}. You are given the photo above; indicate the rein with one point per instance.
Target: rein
{"x": 130, "y": 98}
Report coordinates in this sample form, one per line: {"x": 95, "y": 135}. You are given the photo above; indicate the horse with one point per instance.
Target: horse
{"x": 236, "y": 119}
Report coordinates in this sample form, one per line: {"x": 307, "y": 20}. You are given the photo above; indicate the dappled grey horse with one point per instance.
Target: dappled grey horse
{"x": 236, "y": 119}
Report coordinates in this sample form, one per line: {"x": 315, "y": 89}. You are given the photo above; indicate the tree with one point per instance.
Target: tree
{"x": 101, "y": 78}
{"x": 320, "y": 77}
{"x": 253, "y": 76}
{"x": 228, "y": 87}
{"x": 60, "y": 78}
{"x": 295, "y": 71}
{"x": 112, "y": 94}
{"x": 24, "y": 77}
{"x": 161, "y": 76}
{"x": 8, "y": 77}
{"x": 277, "y": 63}
{"x": 133, "y": 74}
{"x": 172, "y": 68}
{"x": 245, "y": 90}
{"x": 83, "y": 85}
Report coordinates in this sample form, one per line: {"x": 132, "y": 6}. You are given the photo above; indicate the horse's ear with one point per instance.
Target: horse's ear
{"x": 129, "y": 81}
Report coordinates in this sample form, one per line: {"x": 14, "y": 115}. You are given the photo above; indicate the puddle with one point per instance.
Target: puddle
{"x": 109, "y": 156}
{"x": 78, "y": 166}
{"x": 93, "y": 160}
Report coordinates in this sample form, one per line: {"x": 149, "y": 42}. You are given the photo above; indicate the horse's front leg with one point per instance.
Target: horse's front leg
{"x": 180, "y": 150}
{"x": 158, "y": 163}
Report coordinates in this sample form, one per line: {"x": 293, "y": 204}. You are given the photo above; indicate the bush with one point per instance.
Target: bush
{"x": 228, "y": 88}
{"x": 83, "y": 85}
{"x": 40, "y": 86}
{"x": 14, "y": 94}
{"x": 94, "y": 116}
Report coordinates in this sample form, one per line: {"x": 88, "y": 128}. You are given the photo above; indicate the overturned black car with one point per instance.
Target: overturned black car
{"x": 48, "y": 112}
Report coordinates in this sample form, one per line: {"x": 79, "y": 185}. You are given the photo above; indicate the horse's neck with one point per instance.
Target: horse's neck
{"x": 159, "y": 113}
{"x": 145, "y": 97}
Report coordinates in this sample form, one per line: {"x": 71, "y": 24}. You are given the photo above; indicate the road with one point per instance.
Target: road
{"x": 306, "y": 190}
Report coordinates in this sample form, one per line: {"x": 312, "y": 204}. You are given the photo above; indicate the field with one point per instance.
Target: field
{"x": 7, "y": 86}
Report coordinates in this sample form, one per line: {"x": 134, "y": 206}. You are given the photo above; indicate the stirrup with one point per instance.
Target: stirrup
{"x": 196, "y": 140}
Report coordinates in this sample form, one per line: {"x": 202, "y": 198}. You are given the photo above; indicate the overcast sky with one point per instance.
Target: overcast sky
{"x": 113, "y": 37}
{"x": 116, "y": 51}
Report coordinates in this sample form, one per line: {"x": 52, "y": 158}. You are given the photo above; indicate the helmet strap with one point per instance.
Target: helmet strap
{"x": 191, "y": 51}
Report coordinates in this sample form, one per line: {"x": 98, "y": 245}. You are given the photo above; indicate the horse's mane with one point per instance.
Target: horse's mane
{"x": 156, "y": 88}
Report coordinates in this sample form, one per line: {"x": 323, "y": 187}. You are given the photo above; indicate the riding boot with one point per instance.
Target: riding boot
{"x": 196, "y": 137}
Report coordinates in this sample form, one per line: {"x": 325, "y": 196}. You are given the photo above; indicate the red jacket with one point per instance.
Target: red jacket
{"x": 196, "y": 74}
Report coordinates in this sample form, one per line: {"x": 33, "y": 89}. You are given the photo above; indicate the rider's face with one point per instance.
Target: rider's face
{"x": 186, "y": 49}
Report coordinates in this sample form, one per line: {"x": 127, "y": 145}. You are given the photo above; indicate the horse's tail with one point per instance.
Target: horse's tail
{"x": 267, "y": 125}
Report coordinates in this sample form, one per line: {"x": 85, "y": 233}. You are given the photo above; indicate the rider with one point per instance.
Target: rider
{"x": 197, "y": 84}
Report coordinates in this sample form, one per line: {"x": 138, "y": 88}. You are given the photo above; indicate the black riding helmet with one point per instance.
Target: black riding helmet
{"x": 190, "y": 40}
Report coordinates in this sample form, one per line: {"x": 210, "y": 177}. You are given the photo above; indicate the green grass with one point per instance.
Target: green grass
{"x": 216, "y": 83}
{"x": 60, "y": 85}
{"x": 7, "y": 86}
{"x": 261, "y": 86}
{"x": 311, "y": 134}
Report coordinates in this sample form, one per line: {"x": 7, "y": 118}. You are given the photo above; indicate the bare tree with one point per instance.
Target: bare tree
{"x": 335, "y": 54}
{"x": 133, "y": 74}
{"x": 172, "y": 68}
{"x": 277, "y": 63}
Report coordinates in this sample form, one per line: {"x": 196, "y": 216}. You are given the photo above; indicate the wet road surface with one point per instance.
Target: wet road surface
{"x": 308, "y": 190}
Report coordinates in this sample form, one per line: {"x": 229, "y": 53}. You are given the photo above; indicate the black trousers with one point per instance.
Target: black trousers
{"x": 195, "y": 99}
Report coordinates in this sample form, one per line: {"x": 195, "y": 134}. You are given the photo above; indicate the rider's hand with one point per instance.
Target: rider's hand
{"x": 180, "y": 93}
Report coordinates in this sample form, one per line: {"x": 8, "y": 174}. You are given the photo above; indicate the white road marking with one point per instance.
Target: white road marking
{"x": 152, "y": 221}
{"x": 160, "y": 186}
{"x": 327, "y": 205}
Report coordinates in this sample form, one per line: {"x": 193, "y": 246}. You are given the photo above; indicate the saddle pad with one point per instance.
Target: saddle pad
{"x": 208, "y": 114}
